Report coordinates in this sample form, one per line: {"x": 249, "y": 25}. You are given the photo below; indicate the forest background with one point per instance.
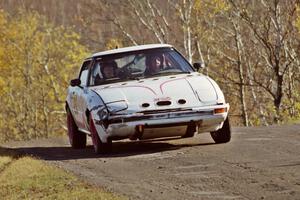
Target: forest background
{"x": 250, "y": 47}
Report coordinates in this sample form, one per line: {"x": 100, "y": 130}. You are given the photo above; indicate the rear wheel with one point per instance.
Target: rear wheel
{"x": 222, "y": 135}
{"x": 190, "y": 131}
{"x": 99, "y": 146}
{"x": 77, "y": 139}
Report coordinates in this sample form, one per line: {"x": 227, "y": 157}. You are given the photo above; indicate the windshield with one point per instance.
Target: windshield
{"x": 138, "y": 65}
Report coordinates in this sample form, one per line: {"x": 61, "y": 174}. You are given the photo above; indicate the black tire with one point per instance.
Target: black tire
{"x": 77, "y": 139}
{"x": 222, "y": 135}
{"x": 99, "y": 146}
{"x": 190, "y": 131}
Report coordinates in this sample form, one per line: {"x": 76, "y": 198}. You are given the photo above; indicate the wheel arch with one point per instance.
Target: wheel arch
{"x": 67, "y": 106}
{"x": 87, "y": 114}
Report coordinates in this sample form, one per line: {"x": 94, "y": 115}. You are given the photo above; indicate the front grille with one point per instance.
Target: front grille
{"x": 191, "y": 123}
{"x": 163, "y": 111}
{"x": 159, "y": 114}
{"x": 163, "y": 103}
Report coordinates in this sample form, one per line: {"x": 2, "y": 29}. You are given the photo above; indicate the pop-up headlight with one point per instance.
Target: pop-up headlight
{"x": 116, "y": 106}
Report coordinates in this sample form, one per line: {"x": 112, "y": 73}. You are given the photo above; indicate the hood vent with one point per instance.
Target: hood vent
{"x": 163, "y": 103}
{"x": 181, "y": 101}
{"x": 145, "y": 105}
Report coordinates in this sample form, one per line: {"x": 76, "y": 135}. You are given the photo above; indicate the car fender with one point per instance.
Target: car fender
{"x": 220, "y": 95}
{"x": 95, "y": 109}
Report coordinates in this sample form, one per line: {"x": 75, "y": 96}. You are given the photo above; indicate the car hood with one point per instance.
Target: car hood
{"x": 180, "y": 91}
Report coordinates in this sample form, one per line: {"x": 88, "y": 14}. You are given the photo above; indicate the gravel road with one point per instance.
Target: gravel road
{"x": 259, "y": 163}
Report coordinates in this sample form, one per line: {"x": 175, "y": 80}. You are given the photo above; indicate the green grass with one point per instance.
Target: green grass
{"x": 29, "y": 178}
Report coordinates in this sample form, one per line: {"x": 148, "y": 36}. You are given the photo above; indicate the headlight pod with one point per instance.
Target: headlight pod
{"x": 103, "y": 114}
{"x": 116, "y": 106}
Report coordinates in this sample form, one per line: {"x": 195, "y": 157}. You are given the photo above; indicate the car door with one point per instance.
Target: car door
{"x": 78, "y": 98}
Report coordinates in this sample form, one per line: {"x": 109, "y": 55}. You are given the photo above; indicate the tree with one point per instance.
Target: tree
{"x": 38, "y": 62}
{"x": 273, "y": 33}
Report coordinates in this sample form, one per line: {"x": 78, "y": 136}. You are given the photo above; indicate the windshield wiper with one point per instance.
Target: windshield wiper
{"x": 162, "y": 73}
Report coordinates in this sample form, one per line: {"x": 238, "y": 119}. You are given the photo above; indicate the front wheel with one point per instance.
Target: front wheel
{"x": 99, "y": 146}
{"x": 222, "y": 135}
{"x": 77, "y": 139}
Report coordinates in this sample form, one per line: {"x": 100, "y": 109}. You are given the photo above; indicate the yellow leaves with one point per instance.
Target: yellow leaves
{"x": 298, "y": 18}
{"x": 2, "y": 18}
{"x": 221, "y": 5}
{"x": 3, "y": 89}
{"x": 3, "y": 22}
{"x": 35, "y": 60}
{"x": 204, "y": 13}
{"x": 210, "y": 7}
{"x": 113, "y": 43}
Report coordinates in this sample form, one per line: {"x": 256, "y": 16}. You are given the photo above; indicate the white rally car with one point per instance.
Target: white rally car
{"x": 143, "y": 92}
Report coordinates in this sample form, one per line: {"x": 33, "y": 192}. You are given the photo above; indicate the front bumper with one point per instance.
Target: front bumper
{"x": 163, "y": 123}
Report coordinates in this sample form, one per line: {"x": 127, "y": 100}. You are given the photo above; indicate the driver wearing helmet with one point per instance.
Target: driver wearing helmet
{"x": 154, "y": 64}
{"x": 109, "y": 69}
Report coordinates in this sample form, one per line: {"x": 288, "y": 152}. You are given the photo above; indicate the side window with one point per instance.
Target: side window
{"x": 96, "y": 75}
{"x": 103, "y": 71}
{"x": 84, "y": 72}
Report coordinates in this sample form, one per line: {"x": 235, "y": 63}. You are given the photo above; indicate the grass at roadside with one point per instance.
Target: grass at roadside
{"x": 29, "y": 178}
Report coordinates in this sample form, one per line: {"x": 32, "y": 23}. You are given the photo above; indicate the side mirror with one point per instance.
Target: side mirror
{"x": 199, "y": 65}
{"x": 75, "y": 82}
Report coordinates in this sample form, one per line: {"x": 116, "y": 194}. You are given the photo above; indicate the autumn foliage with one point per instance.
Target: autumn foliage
{"x": 37, "y": 61}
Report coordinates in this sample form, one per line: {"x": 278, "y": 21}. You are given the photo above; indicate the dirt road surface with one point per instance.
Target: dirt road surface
{"x": 259, "y": 163}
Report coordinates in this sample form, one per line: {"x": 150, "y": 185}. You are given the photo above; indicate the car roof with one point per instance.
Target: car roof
{"x": 132, "y": 48}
